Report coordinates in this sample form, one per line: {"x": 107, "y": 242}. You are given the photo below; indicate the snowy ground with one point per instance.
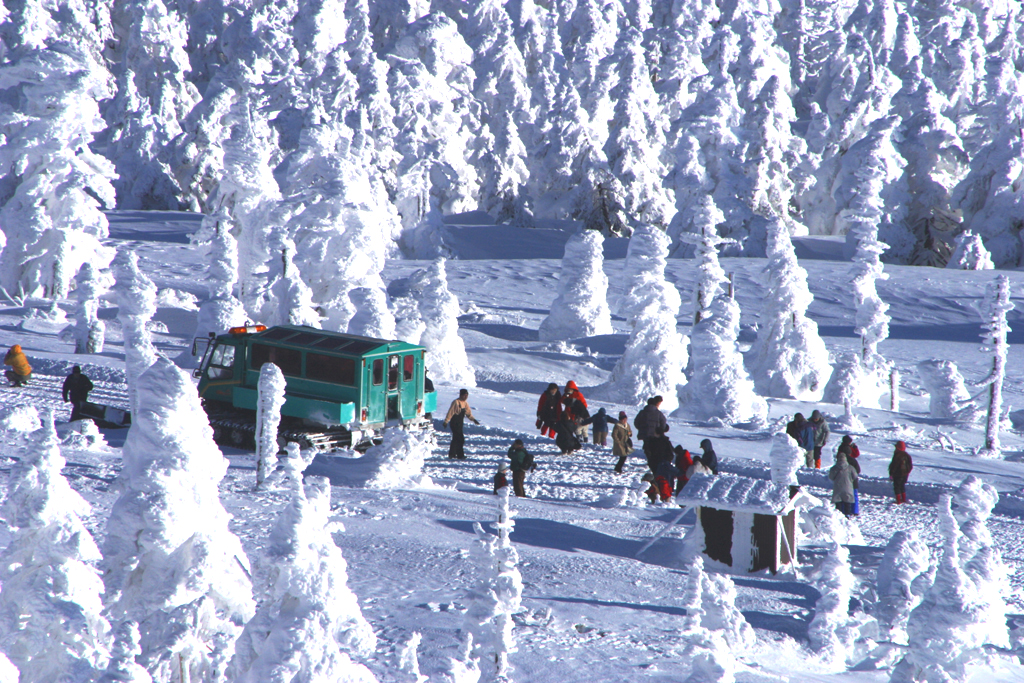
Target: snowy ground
{"x": 594, "y": 611}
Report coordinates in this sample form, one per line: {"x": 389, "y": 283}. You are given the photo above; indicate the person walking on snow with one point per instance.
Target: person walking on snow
{"x": 522, "y": 461}
{"x": 457, "y": 414}
{"x": 899, "y": 471}
{"x": 651, "y": 427}
{"x": 576, "y": 408}
{"x": 844, "y": 483}
{"x": 821, "y": 432}
{"x": 76, "y": 388}
{"x": 622, "y": 441}
{"x": 600, "y": 420}
{"x": 802, "y": 432}
{"x": 22, "y": 371}
{"x": 549, "y": 410}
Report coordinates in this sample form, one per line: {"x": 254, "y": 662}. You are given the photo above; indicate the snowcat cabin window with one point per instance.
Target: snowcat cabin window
{"x": 331, "y": 369}
{"x": 222, "y": 362}
{"x": 408, "y": 368}
{"x": 289, "y": 360}
{"x": 378, "y": 372}
{"x": 392, "y": 373}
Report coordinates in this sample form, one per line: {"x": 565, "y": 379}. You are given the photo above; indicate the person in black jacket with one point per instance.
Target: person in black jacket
{"x": 76, "y": 388}
{"x": 709, "y": 458}
{"x": 651, "y": 427}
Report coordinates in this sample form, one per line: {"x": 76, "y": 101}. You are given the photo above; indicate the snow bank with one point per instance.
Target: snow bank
{"x": 309, "y": 620}
{"x": 580, "y": 308}
{"x": 397, "y": 462}
{"x": 171, "y": 563}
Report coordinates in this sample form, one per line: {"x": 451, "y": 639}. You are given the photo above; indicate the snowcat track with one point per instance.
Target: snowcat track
{"x": 237, "y": 429}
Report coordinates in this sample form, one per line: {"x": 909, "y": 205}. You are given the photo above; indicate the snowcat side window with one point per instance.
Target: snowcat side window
{"x": 392, "y": 373}
{"x": 289, "y": 360}
{"x": 409, "y": 369}
{"x": 331, "y": 369}
{"x": 378, "y": 372}
{"x": 222, "y": 362}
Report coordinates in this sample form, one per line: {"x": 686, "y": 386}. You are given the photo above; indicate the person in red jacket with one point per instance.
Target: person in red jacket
{"x": 576, "y": 408}
{"x": 549, "y": 410}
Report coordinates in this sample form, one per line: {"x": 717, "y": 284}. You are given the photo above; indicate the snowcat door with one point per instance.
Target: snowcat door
{"x": 410, "y": 380}
{"x": 374, "y": 392}
{"x": 394, "y": 388}
{"x": 220, "y": 373}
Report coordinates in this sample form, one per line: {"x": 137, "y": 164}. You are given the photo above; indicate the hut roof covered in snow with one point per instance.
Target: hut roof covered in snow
{"x": 735, "y": 493}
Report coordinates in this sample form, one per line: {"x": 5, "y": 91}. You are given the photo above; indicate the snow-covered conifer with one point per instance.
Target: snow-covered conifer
{"x": 136, "y": 304}
{"x": 122, "y": 667}
{"x": 57, "y": 186}
{"x": 790, "y": 359}
{"x": 438, "y": 309}
{"x": 51, "y": 611}
{"x": 899, "y": 583}
{"x": 636, "y": 139}
{"x": 970, "y": 253}
{"x": 589, "y": 37}
{"x": 853, "y": 383}
{"x": 270, "y": 400}
{"x": 580, "y": 308}
{"x": 153, "y": 96}
{"x": 90, "y": 285}
{"x": 829, "y": 631}
{"x": 696, "y": 211}
{"x": 710, "y": 276}
{"x": 371, "y": 317}
{"x": 655, "y": 354}
{"x": 171, "y": 564}
{"x": 994, "y": 307}
{"x": 221, "y": 310}
{"x": 720, "y": 388}
{"x": 786, "y": 458}
{"x": 708, "y": 652}
{"x": 496, "y": 595}
{"x": 644, "y": 267}
{"x": 309, "y": 620}
{"x": 948, "y": 396}
{"x": 291, "y": 300}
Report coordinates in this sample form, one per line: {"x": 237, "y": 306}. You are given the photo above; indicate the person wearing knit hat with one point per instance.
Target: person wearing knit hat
{"x": 899, "y": 471}
{"x": 622, "y": 440}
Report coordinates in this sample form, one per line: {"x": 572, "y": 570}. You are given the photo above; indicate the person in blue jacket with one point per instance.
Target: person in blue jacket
{"x": 600, "y": 421}
{"x": 709, "y": 458}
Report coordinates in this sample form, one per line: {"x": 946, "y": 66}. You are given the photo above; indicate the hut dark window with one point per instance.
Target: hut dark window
{"x": 717, "y": 526}
{"x": 289, "y": 360}
{"x": 378, "y": 372}
{"x": 331, "y": 369}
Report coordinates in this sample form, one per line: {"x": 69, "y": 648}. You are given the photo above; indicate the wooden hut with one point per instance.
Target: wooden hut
{"x": 745, "y": 524}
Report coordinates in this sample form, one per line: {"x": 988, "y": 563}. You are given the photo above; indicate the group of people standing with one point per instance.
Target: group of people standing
{"x": 669, "y": 467}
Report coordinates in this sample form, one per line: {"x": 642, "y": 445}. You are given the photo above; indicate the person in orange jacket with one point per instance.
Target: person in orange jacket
{"x": 576, "y": 408}
{"x": 22, "y": 371}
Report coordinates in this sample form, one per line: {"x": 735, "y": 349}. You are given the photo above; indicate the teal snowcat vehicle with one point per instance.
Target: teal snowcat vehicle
{"x": 342, "y": 390}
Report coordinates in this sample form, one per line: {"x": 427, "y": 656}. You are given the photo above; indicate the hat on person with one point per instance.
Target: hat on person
{"x": 503, "y": 467}
{"x": 77, "y": 369}
{"x": 815, "y": 415}
{"x": 552, "y": 386}
{"x": 901, "y": 446}
{"x": 622, "y": 415}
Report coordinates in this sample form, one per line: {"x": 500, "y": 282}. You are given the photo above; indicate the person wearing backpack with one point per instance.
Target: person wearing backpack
{"x": 522, "y": 462}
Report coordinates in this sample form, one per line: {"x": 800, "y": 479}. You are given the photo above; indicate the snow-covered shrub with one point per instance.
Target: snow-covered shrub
{"x": 970, "y": 253}
{"x": 786, "y": 458}
{"x": 834, "y": 632}
{"x": 853, "y": 382}
{"x": 309, "y": 620}
{"x": 993, "y": 308}
{"x": 398, "y": 460}
{"x": 19, "y": 420}
{"x": 122, "y": 667}
{"x": 51, "y": 611}
{"x": 136, "y": 302}
{"x": 90, "y": 285}
{"x": 438, "y": 312}
{"x": 496, "y": 596}
{"x": 900, "y": 583}
{"x": 948, "y": 397}
{"x": 270, "y": 400}
{"x": 962, "y": 611}
{"x": 171, "y": 564}
{"x": 974, "y": 501}
{"x": 580, "y": 308}
{"x": 720, "y": 388}
{"x": 655, "y": 354}
{"x": 790, "y": 359}
{"x": 710, "y": 655}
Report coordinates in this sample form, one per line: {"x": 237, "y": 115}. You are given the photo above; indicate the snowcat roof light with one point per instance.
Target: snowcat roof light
{"x": 252, "y": 329}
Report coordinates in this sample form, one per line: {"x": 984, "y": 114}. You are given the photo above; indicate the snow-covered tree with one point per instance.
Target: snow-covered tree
{"x": 496, "y": 595}
{"x": 8, "y": 672}
{"x": 970, "y": 253}
{"x": 90, "y": 285}
{"x": 270, "y": 400}
{"x": 438, "y": 310}
{"x": 51, "y": 611}
{"x": 371, "y": 316}
{"x": 55, "y": 185}
{"x": 221, "y": 310}
{"x": 580, "y": 308}
{"x": 900, "y": 582}
{"x": 962, "y": 611}
{"x": 948, "y": 396}
{"x": 655, "y": 355}
{"x": 720, "y": 388}
{"x": 589, "y": 36}
{"x": 122, "y": 667}
{"x": 853, "y": 383}
{"x": 171, "y": 564}
{"x": 309, "y": 622}
{"x": 994, "y": 307}
{"x": 831, "y": 632}
{"x": 153, "y": 96}
{"x": 696, "y": 211}
{"x": 710, "y": 276}
{"x": 644, "y": 267}
{"x": 707, "y": 649}
{"x": 786, "y": 458}
{"x": 136, "y": 304}
{"x": 290, "y": 300}
{"x": 790, "y": 359}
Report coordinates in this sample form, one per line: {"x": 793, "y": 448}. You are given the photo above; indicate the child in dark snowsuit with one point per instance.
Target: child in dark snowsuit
{"x": 601, "y": 419}
{"x": 500, "y": 479}
{"x": 522, "y": 461}
{"x": 899, "y": 471}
